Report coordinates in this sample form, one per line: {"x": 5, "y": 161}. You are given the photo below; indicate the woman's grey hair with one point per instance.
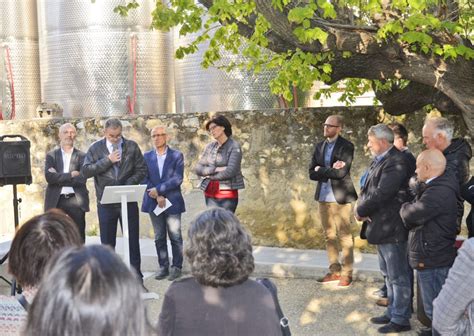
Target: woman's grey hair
{"x": 113, "y": 123}
{"x": 88, "y": 291}
{"x": 441, "y": 125}
{"x": 219, "y": 249}
{"x": 381, "y": 131}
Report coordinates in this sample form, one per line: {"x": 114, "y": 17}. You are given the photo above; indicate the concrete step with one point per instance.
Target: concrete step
{"x": 271, "y": 261}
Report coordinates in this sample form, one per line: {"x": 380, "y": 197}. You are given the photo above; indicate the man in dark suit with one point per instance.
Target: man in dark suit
{"x": 114, "y": 161}
{"x": 382, "y": 194}
{"x": 165, "y": 176}
{"x": 66, "y": 188}
{"x": 330, "y": 166}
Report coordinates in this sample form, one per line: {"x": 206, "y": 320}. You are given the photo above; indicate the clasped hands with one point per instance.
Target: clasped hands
{"x": 161, "y": 200}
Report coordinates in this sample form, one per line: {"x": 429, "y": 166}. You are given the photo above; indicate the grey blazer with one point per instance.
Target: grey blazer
{"x": 56, "y": 181}
{"x": 229, "y": 155}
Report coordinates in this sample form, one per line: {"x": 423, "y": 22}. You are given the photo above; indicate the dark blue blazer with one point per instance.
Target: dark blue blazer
{"x": 169, "y": 185}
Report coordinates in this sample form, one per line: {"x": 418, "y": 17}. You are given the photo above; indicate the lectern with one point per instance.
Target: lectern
{"x": 123, "y": 195}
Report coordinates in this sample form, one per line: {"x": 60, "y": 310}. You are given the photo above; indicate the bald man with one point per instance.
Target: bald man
{"x": 432, "y": 221}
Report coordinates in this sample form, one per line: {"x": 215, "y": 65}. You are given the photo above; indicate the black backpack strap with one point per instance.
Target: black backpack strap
{"x": 284, "y": 322}
{"x": 23, "y": 301}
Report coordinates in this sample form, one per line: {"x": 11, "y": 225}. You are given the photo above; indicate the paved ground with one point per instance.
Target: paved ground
{"x": 313, "y": 309}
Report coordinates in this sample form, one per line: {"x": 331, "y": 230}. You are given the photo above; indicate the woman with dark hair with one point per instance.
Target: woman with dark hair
{"x": 219, "y": 299}
{"x": 34, "y": 244}
{"x": 88, "y": 291}
{"x": 219, "y": 166}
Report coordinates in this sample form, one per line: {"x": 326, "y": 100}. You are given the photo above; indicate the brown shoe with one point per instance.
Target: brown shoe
{"x": 329, "y": 278}
{"x": 383, "y": 302}
{"x": 345, "y": 281}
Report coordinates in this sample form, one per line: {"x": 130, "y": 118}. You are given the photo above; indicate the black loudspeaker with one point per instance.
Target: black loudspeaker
{"x": 15, "y": 163}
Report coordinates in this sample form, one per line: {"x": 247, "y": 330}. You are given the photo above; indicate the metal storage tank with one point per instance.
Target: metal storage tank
{"x": 96, "y": 63}
{"x": 19, "y": 59}
{"x": 203, "y": 90}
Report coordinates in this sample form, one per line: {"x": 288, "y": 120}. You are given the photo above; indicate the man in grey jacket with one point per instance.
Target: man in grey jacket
{"x": 114, "y": 161}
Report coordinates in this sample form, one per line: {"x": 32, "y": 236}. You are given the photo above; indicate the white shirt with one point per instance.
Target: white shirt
{"x": 160, "y": 158}
{"x": 66, "y": 163}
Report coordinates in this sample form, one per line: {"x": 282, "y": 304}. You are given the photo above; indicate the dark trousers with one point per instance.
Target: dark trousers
{"x": 226, "y": 203}
{"x": 109, "y": 215}
{"x": 71, "y": 207}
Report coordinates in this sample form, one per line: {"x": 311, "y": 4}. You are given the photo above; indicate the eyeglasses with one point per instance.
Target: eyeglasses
{"x": 330, "y": 126}
{"x": 211, "y": 128}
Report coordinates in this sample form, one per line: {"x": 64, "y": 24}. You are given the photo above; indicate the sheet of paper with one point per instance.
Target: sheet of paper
{"x": 159, "y": 210}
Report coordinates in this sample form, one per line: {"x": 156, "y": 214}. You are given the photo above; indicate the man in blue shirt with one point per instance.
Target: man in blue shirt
{"x": 330, "y": 166}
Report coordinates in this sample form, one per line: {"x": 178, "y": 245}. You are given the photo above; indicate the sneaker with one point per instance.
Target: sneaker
{"x": 383, "y": 302}
{"x": 380, "y": 320}
{"x": 393, "y": 328}
{"x": 162, "y": 273}
{"x": 345, "y": 281}
{"x": 175, "y": 273}
{"x": 330, "y": 278}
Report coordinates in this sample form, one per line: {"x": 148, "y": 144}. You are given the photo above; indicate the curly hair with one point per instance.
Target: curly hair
{"x": 88, "y": 291}
{"x": 219, "y": 249}
{"x": 37, "y": 241}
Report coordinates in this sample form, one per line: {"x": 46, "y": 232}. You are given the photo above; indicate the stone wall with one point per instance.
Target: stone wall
{"x": 277, "y": 205}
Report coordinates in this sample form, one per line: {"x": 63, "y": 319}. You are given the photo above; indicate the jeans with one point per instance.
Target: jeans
{"x": 109, "y": 215}
{"x": 172, "y": 224}
{"x": 336, "y": 222}
{"x": 431, "y": 281}
{"x": 226, "y": 203}
{"x": 394, "y": 267}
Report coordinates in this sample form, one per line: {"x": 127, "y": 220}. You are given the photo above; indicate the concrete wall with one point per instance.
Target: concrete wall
{"x": 277, "y": 205}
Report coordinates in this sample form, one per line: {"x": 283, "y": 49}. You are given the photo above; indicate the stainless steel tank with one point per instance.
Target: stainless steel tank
{"x": 97, "y": 63}
{"x": 19, "y": 59}
{"x": 202, "y": 90}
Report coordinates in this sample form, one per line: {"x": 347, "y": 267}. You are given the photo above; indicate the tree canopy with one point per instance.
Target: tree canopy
{"x": 412, "y": 53}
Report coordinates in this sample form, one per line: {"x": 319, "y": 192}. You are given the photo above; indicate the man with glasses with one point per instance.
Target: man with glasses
{"x": 164, "y": 202}
{"x": 112, "y": 161}
{"x": 330, "y": 166}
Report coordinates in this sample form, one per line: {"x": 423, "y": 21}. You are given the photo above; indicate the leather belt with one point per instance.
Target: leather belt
{"x": 66, "y": 196}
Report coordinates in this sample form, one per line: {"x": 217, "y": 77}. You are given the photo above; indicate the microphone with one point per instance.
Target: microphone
{"x": 115, "y": 148}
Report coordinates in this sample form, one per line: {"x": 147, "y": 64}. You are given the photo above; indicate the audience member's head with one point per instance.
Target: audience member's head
{"x": 219, "y": 249}
{"x": 88, "y": 291}
{"x": 37, "y": 241}
{"x": 219, "y": 120}
{"x": 429, "y": 164}
{"x": 400, "y": 135}
{"x": 380, "y": 139}
{"x": 437, "y": 133}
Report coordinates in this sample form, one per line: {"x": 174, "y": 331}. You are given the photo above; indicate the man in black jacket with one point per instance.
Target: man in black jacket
{"x": 114, "y": 161}
{"x": 438, "y": 134}
{"x": 432, "y": 221}
{"x": 382, "y": 194}
{"x": 330, "y": 166}
{"x": 66, "y": 188}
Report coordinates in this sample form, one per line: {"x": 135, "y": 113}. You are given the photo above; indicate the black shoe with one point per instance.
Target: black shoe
{"x": 175, "y": 273}
{"x": 380, "y": 320}
{"x": 162, "y": 273}
{"x": 393, "y": 328}
{"x": 425, "y": 332}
